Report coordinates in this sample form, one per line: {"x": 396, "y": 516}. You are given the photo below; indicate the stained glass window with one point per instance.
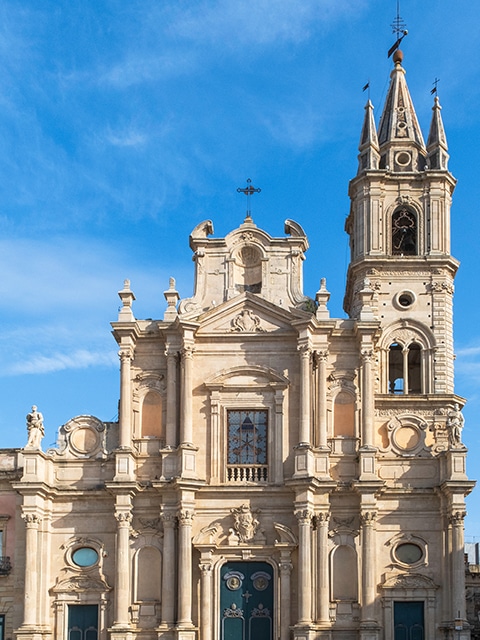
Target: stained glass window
{"x": 247, "y": 437}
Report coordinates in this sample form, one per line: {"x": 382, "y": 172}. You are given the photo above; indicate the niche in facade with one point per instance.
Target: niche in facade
{"x": 248, "y": 270}
{"x": 344, "y": 415}
{"x": 152, "y": 415}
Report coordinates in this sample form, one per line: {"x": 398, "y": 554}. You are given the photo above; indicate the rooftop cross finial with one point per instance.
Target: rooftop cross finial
{"x": 435, "y": 86}
{"x": 398, "y": 27}
{"x": 248, "y": 191}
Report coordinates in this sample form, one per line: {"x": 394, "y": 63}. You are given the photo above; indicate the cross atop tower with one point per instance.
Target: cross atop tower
{"x": 248, "y": 191}
{"x": 398, "y": 27}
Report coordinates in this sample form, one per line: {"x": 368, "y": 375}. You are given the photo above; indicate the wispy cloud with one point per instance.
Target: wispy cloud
{"x": 80, "y": 359}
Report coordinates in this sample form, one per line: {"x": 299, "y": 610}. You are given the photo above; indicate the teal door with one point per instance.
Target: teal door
{"x": 83, "y": 622}
{"x": 408, "y": 620}
{"x": 246, "y": 601}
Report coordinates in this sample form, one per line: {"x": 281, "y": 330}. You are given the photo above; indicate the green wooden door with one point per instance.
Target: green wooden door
{"x": 408, "y": 620}
{"x": 83, "y": 622}
{"x": 246, "y": 601}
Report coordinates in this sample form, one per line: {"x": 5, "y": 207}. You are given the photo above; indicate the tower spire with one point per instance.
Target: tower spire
{"x": 402, "y": 147}
{"x": 437, "y": 148}
{"x": 369, "y": 155}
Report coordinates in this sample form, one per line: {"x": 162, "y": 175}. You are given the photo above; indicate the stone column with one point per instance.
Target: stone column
{"x": 206, "y": 604}
{"x": 322, "y": 519}
{"x": 322, "y": 359}
{"x": 405, "y": 370}
{"x": 305, "y": 382}
{"x": 367, "y": 399}
{"x": 32, "y": 522}
{"x": 125, "y": 418}
{"x": 304, "y": 517}
{"x": 186, "y": 435}
{"x": 458, "y": 565}
{"x": 122, "y": 568}
{"x": 168, "y": 569}
{"x": 171, "y": 413}
{"x": 367, "y": 519}
{"x": 285, "y": 595}
{"x": 185, "y": 518}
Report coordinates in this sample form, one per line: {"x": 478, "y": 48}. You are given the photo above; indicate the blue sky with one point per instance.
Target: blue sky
{"x": 124, "y": 124}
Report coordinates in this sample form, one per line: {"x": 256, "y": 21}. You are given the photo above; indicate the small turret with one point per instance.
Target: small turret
{"x": 437, "y": 148}
{"x": 369, "y": 155}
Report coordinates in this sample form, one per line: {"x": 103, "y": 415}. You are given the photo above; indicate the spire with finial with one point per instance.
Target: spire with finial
{"x": 437, "y": 148}
{"x": 402, "y": 147}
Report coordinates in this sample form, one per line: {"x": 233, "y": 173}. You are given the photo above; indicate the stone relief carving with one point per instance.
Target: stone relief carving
{"x": 246, "y": 321}
{"x": 246, "y": 526}
{"x": 439, "y": 287}
{"x": 409, "y": 581}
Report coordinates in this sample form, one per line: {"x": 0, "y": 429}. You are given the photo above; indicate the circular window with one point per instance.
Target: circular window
{"x": 409, "y": 553}
{"x": 404, "y": 299}
{"x": 85, "y": 557}
{"x": 403, "y": 158}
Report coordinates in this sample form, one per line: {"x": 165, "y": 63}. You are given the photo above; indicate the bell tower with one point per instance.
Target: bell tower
{"x": 399, "y": 228}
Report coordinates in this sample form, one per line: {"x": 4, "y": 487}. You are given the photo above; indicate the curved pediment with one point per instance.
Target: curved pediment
{"x": 247, "y": 376}
{"x": 409, "y": 581}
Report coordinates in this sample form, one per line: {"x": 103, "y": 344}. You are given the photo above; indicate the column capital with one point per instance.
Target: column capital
{"x": 171, "y": 351}
{"x": 322, "y": 518}
{"x": 187, "y": 352}
{"x": 305, "y": 350}
{"x": 304, "y": 516}
{"x": 368, "y": 518}
{"x": 367, "y": 355}
{"x": 456, "y": 518}
{"x": 32, "y": 520}
{"x": 321, "y": 355}
{"x": 168, "y": 519}
{"x": 185, "y": 517}
{"x": 126, "y": 353}
{"x": 124, "y": 518}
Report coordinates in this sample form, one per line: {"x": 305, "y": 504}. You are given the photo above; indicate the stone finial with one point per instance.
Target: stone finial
{"x": 172, "y": 297}
{"x": 35, "y": 429}
{"x": 127, "y": 296}
{"x": 322, "y": 297}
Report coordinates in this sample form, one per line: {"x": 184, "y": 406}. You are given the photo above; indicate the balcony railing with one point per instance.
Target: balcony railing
{"x": 5, "y": 565}
{"x": 240, "y": 474}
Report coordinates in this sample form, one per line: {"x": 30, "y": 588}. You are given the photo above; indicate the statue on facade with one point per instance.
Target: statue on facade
{"x": 455, "y": 422}
{"x": 35, "y": 429}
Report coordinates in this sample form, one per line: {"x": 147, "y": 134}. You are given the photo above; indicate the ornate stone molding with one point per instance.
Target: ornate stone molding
{"x": 246, "y": 321}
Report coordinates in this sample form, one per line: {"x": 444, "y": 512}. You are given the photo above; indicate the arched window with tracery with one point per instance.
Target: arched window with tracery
{"x": 404, "y": 233}
{"x": 405, "y": 368}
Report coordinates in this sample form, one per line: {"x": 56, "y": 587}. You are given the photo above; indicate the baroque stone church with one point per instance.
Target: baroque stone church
{"x": 275, "y": 473}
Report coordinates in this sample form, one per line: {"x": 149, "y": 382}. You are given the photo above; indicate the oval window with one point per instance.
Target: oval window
{"x": 409, "y": 553}
{"x": 85, "y": 557}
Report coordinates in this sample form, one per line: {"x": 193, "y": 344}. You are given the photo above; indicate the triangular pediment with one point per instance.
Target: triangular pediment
{"x": 248, "y": 314}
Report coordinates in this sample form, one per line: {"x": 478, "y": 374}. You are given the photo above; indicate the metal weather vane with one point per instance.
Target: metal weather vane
{"x": 248, "y": 191}
{"x": 398, "y": 27}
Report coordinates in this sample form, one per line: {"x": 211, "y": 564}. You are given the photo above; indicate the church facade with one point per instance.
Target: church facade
{"x": 275, "y": 473}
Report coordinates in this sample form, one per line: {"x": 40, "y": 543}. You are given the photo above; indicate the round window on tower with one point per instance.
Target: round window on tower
{"x": 404, "y": 300}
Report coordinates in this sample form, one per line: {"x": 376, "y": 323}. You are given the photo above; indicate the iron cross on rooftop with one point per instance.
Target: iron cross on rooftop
{"x": 248, "y": 191}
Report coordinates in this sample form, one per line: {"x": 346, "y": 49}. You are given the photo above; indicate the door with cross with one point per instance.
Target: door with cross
{"x": 246, "y": 601}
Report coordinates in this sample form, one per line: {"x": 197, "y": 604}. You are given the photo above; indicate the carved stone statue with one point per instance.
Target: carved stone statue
{"x": 455, "y": 422}
{"x": 35, "y": 429}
